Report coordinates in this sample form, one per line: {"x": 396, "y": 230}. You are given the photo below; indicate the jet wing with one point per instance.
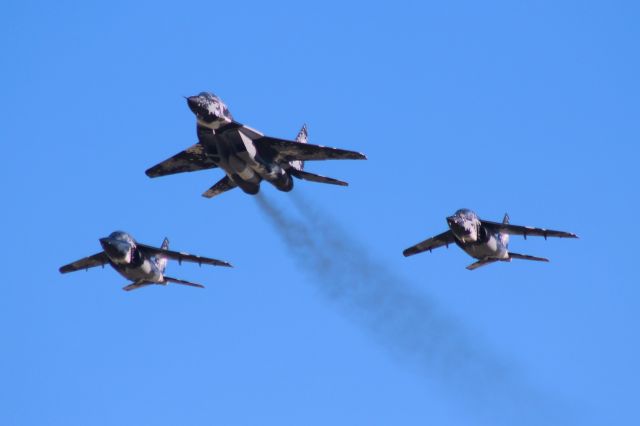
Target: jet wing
{"x": 525, "y": 231}
{"x": 180, "y": 256}
{"x": 443, "y": 239}
{"x": 191, "y": 159}
{"x": 281, "y": 150}
{"x": 97, "y": 259}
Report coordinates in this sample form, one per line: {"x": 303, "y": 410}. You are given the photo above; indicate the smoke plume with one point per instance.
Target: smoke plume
{"x": 405, "y": 321}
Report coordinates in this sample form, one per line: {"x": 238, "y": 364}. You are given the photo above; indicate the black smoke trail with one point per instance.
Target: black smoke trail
{"x": 405, "y": 321}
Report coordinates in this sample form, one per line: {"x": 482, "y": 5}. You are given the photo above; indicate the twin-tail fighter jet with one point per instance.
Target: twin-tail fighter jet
{"x": 486, "y": 241}
{"x": 140, "y": 263}
{"x": 247, "y": 156}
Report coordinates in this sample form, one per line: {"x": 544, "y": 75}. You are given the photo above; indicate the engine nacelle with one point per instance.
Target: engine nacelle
{"x": 282, "y": 180}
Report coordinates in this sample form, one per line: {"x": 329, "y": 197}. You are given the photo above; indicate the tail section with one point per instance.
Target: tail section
{"x": 183, "y": 282}
{"x": 504, "y": 237}
{"x": 139, "y": 284}
{"x": 297, "y": 169}
{"x": 136, "y": 285}
{"x": 161, "y": 261}
{"x": 303, "y": 137}
{"x": 487, "y": 261}
{"x": 223, "y": 185}
{"x": 526, "y": 257}
{"x": 480, "y": 263}
{"x": 316, "y": 178}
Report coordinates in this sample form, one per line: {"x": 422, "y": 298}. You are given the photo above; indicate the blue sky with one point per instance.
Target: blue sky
{"x": 529, "y": 108}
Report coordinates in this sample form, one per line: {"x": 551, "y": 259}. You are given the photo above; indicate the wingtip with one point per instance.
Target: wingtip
{"x": 223, "y": 263}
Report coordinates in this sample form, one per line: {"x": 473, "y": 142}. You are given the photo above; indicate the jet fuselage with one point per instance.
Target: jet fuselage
{"x": 232, "y": 146}
{"x": 128, "y": 260}
{"x": 476, "y": 240}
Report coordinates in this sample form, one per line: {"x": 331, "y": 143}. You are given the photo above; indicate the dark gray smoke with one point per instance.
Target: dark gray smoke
{"x": 407, "y": 322}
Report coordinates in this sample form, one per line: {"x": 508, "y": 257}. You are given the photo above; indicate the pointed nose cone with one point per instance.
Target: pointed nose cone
{"x": 105, "y": 241}
{"x": 456, "y": 226}
{"x": 115, "y": 249}
{"x": 109, "y": 247}
{"x": 194, "y": 103}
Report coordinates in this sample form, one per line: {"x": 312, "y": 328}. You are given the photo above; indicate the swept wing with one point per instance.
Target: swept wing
{"x": 443, "y": 239}
{"x": 525, "y": 231}
{"x": 180, "y": 256}
{"x": 97, "y": 259}
{"x": 282, "y": 151}
{"x": 191, "y": 159}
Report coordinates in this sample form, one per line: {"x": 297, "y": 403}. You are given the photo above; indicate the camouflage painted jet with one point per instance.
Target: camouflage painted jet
{"x": 246, "y": 155}
{"x": 140, "y": 263}
{"x": 486, "y": 241}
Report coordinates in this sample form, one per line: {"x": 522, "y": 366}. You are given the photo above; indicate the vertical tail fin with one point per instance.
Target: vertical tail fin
{"x": 298, "y": 166}
{"x": 302, "y": 137}
{"x": 161, "y": 261}
{"x": 504, "y": 238}
{"x": 302, "y": 134}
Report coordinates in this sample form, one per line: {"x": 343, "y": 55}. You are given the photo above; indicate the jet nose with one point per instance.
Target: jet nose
{"x": 194, "y": 103}
{"x": 456, "y": 226}
{"x": 200, "y": 107}
{"x": 115, "y": 249}
{"x": 109, "y": 247}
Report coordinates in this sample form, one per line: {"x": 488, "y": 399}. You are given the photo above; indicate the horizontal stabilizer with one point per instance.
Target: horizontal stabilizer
{"x": 182, "y": 282}
{"x": 480, "y": 263}
{"x": 316, "y": 178}
{"x": 191, "y": 159}
{"x": 223, "y": 185}
{"x": 527, "y": 257}
{"x": 281, "y": 150}
{"x": 136, "y": 285}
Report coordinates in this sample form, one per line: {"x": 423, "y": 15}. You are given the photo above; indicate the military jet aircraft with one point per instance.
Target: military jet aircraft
{"x": 140, "y": 263}
{"x": 246, "y": 155}
{"x": 486, "y": 241}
